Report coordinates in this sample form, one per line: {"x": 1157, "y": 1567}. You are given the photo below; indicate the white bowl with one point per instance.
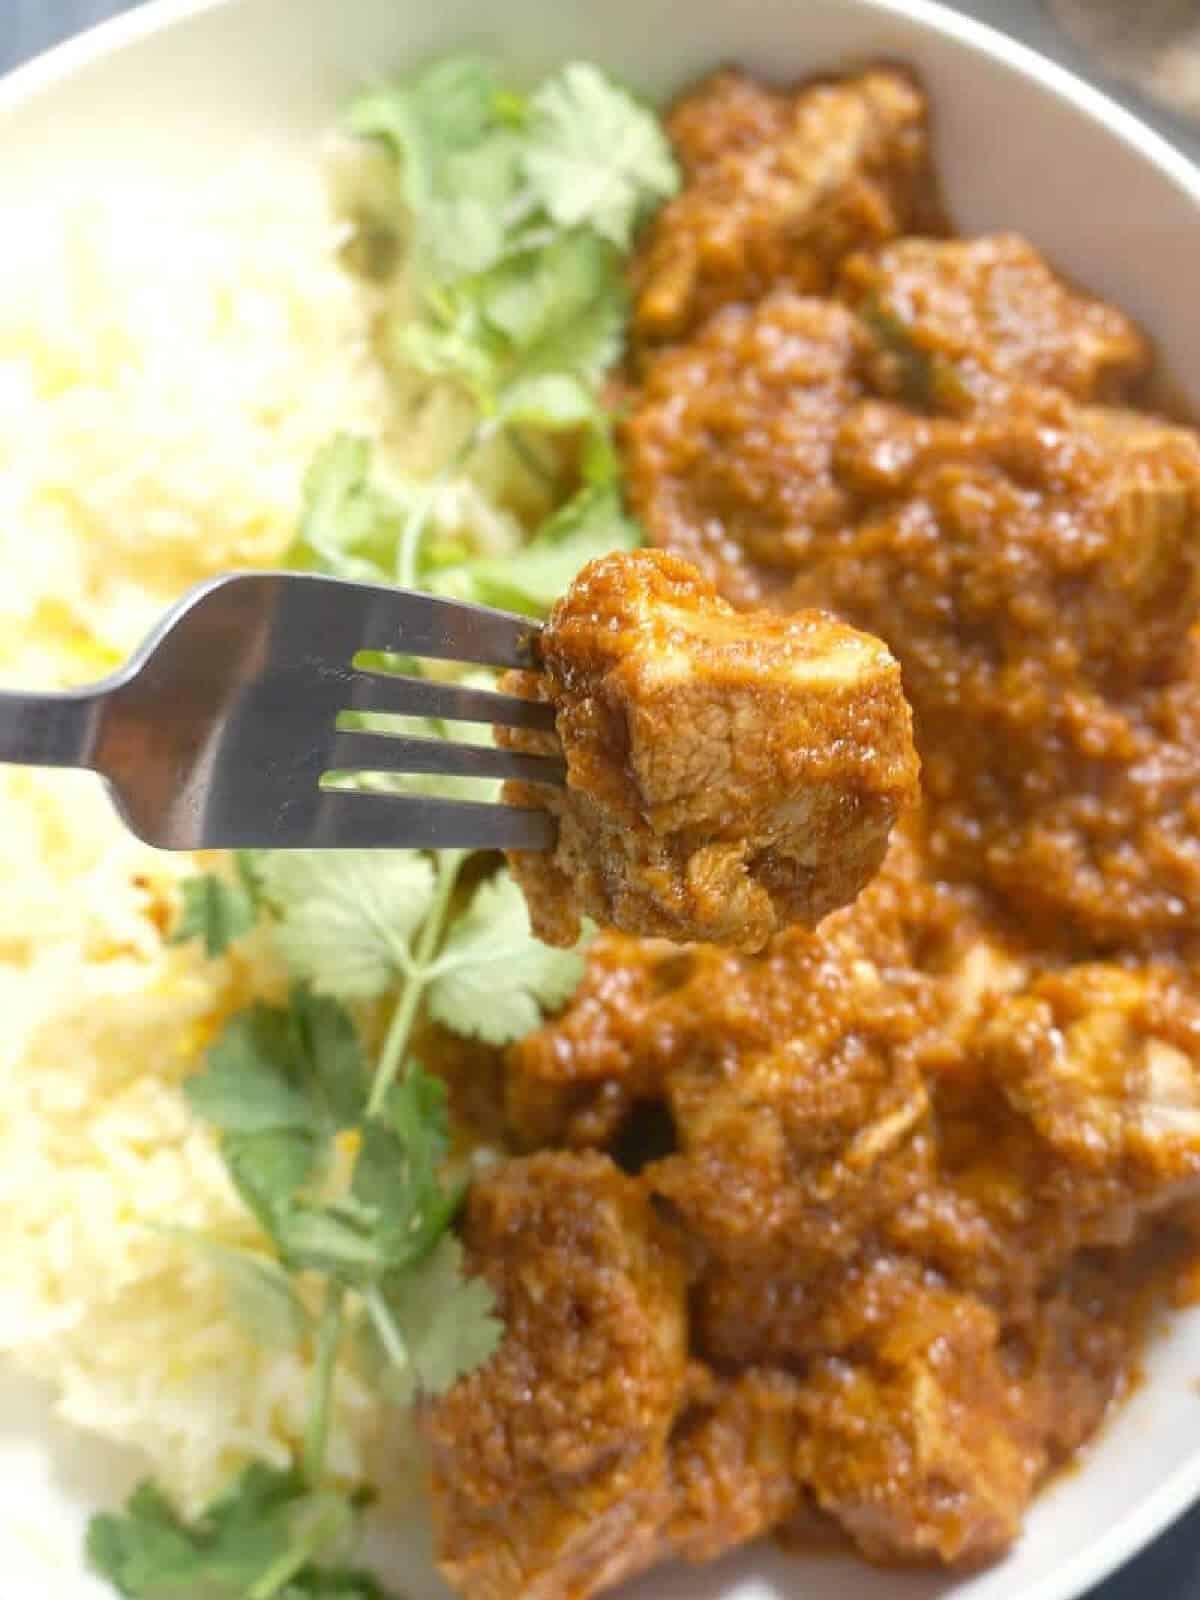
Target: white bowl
{"x": 183, "y": 84}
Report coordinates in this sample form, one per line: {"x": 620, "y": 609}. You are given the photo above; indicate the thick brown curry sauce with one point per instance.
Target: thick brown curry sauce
{"x": 862, "y": 1231}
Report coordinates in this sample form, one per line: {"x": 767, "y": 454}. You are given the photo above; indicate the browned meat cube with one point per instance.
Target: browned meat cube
{"x": 912, "y": 1434}
{"x": 550, "y": 1466}
{"x": 763, "y": 1311}
{"x": 1076, "y": 1357}
{"x": 726, "y": 774}
{"x": 1105, "y": 1062}
{"x": 648, "y": 1011}
{"x": 1032, "y": 540}
{"x": 1004, "y": 1214}
{"x": 781, "y": 187}
{"x": 733, "y": 1465}
{"x": 796, "y": 1155}
{"x": 946, "y": 315}
{"x": 730, "y": 442}
{"x": 723, "y": 112}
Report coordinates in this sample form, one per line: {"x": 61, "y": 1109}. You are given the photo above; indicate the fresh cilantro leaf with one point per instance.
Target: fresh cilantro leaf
{"x": 531, "y": 579}
{"x": 459, "y": 159}
{"x": 557, "y": 311}
{"x": 459, "y": 237}
{"x": 417, "y": 1111}
{"x": 335, "y": 1239}
{"x": 144, "y": 1551}
{"x": 452, "y": 344}
{"x": 150, "y": 1553}
{"x": 381, "y": 1182}
{"x": 279, "y": 1083}
{"x": 263, "y": 1300}
{"x": 214, "y": 911}
{"x": 258, "y": 1491}
{"x": 250, "y": 1083}
{"x": 595, "y": 155}
{"x": 260, "y": 1537}
{"x": 600, "y": 465}
{"x": 397, "y": 1206}
{"x": 268, "y": 1169}
{"x": 560, "y": 309}
{"x": 349, "y": 528}
{"x": 448, "y": 1319}
{"x": 430, "y": 1326}
{"x": 446, "y": 106}
{"x": 346, "y": 916}
{"x": 260, "y": 1292}
{"x": 488, "y": 172}
{"x": 357, "y": 1244}
{"x": 549, "y": 400}
{"x": 494, "y": 980}
{"x": 466, "y": 231}
{"x": 335, "y": 1067}
{"x": 296, "y": 1067}
{"x": 248, "y": 866}
{"x": 398, "y": 1184}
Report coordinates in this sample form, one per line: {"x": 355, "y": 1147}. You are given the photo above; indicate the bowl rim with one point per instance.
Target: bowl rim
{"x": 42, "y": 74}
{"x": 24, "y": 83}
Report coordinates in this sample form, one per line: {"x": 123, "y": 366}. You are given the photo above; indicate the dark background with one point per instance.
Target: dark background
{"x": 1170, "y": 1569}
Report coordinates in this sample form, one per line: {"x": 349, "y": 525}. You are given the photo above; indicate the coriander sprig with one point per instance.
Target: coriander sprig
{"x": 515, "y": 211}
{"x": 395, "y": 1044}
{"x": 286, "y": 1087}
{"x": 256, "y": 1541}
{"x": 329, "y": 1339}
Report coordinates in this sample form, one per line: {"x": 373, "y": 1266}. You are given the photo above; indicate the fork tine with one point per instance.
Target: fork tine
{"x": 351, "y": 819}
{"x": 447, "y": 630}
{"x": 334, "y": 618}
{"x": 455, "y": 702}
{"x": 383, "y": 752}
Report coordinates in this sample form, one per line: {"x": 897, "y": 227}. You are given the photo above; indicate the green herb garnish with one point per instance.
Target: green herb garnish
{"x": 218, "y": 910}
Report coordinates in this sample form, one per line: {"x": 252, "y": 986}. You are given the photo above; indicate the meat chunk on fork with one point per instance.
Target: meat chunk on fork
{"x": 781, "y": 187}
{"x": 727, "y": 775}
{"x": 550, "y": 1464}
{"x": 949, "y": 315}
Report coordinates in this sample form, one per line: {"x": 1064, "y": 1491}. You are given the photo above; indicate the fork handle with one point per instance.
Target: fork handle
{"x": 49, "y": 730}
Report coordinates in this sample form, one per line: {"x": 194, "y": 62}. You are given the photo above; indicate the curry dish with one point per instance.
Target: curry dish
{"x": 858, "y": 1235}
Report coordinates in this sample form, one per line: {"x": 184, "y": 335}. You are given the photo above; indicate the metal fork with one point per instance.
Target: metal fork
{"x": 218, "y": 732}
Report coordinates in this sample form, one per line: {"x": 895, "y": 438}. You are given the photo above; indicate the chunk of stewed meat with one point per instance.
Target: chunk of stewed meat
{"x": 727, "y": 774}
{"x": 550, "y": 1463}
{"x": 948, "y": 315}
{"x": 781, "y": 187}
